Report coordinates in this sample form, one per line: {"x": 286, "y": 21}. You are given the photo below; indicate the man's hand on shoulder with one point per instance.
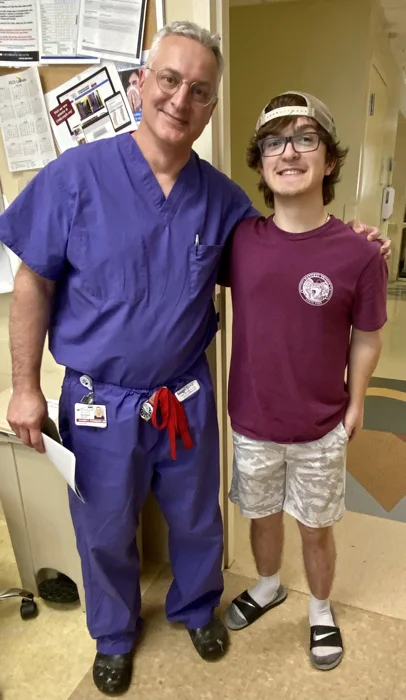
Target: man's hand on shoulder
{"x": 373, "y": 233}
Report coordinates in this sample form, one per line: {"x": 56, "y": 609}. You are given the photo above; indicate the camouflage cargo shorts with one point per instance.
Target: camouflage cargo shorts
{"x": 306, "y": 480}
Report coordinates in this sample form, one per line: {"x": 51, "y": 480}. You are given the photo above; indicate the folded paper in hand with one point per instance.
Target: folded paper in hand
{"x": 61, "y": 458}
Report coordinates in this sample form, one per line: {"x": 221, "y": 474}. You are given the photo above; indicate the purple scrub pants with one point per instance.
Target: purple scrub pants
{"x": 115, "y": 468}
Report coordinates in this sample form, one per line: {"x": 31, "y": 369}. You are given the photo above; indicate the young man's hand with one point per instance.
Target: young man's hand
{"x": 354, "y": 420}
{"x": 372, "y": 234}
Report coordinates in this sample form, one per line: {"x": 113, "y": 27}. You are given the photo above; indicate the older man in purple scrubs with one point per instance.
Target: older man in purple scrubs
{"x": 121, "y": 243}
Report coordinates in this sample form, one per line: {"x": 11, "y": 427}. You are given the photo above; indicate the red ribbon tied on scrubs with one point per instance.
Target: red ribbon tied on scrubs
{"x": 173, "y": 418}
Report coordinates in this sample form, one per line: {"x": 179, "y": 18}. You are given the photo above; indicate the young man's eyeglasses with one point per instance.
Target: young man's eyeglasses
{"x": 170, "y": 82}
{"x": 301, "y": 143}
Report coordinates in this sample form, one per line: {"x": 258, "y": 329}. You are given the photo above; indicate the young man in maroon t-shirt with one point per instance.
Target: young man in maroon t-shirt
{"x": 309, "y": 301}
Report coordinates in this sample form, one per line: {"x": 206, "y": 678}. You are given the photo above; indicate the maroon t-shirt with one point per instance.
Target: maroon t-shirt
{"x": 295, "y": 298}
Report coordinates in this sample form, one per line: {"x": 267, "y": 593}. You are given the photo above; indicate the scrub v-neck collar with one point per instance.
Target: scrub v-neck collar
{"x": 167, "y": 206}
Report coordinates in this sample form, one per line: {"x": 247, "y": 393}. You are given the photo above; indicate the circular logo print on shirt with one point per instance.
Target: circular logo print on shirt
{"x": 316, "y": 289}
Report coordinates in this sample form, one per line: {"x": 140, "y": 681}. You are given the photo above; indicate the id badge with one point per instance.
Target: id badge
{"x": 94, "y": 415}
{"x": 188, "y": 390}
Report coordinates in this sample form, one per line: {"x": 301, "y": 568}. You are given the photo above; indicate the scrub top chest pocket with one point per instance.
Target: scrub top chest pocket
{"x": 115, "y": 269}
{"x": 204, "y": 265}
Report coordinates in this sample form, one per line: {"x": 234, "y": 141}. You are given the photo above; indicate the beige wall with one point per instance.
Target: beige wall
{"x": 5, "y": 366}
{"x": 332, "y": 58}
{"x": 9, "y": 185}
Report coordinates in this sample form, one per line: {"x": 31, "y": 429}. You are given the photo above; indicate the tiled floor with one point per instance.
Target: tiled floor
{"x": 268, "y": 659}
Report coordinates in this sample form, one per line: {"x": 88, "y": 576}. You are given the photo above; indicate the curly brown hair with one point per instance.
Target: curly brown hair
{"x": 335, "y": 154}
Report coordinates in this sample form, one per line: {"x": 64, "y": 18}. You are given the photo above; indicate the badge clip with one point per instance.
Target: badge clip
{"x": 146, "y": 411}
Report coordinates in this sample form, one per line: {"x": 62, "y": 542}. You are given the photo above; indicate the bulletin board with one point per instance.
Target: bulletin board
{"x": 52, "y": 77}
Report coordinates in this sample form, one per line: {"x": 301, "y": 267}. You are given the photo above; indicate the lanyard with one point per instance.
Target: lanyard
{"x": 173, "y": 418}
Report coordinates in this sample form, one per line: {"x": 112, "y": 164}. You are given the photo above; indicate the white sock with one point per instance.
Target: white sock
{"x": 266, "y": 589}
{"x": 320, "y": 614}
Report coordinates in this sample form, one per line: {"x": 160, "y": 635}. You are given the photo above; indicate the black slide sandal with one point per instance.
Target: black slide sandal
{"x": 325, "y": 636}
{"x": 250, "y": 609}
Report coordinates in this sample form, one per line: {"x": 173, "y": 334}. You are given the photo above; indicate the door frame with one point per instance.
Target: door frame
{"x": 214, "y": 146}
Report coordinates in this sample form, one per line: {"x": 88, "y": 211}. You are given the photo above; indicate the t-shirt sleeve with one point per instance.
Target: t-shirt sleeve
{"x": 246, "y": 211}
{"x": 224, "y": 277}
{"x": 36, "y": 225}
{"x": 369, "y": 308}
{"x": 237, "y": 207}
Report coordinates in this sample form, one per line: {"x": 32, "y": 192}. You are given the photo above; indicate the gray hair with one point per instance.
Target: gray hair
{"x": 190, "y": 30}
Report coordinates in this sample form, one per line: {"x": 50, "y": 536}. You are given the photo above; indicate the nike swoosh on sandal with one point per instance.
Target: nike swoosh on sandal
{"x": 245, "y": 602}
{"x": 319, "y": 637}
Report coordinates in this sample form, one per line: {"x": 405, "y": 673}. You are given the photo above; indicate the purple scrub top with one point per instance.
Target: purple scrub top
{"x": 134, "y": 271}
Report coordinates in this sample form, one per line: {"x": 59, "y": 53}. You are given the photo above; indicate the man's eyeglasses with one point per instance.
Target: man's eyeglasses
{"x": 169, "y": 83}
{"x": 301, "y": 143}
